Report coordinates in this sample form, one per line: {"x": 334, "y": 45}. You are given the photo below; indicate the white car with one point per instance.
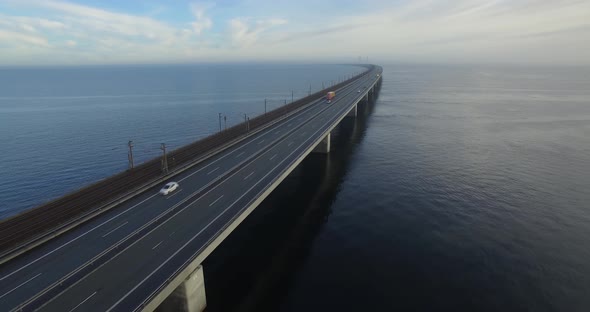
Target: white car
{"x": 169, "y": 188}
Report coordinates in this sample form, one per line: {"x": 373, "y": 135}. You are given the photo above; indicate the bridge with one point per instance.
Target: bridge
{"x": 146, "y": 252}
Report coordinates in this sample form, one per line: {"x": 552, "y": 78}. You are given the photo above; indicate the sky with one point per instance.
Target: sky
{"x": 38, "y": 32}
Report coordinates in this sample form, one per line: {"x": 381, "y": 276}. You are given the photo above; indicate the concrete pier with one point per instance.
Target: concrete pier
{"x": 353, "y": 111}
{"x": 324, "y": 146}
{"x": 189, "y": 296}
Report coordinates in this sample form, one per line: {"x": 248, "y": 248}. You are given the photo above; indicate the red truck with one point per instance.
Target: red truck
{"x": 330, "y": 96}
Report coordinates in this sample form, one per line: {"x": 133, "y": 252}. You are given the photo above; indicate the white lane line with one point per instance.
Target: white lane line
{"x": 158, "y": 244}
{"x": 210, "y": 172}
{"x": 278, "y": 131}
{"x": 81, "y": 303}
{"x": 111, "y": 231}
{"x": 75, "y": 239}
{"x": 219, "y": 159}
{"x": 17, "y": 287}
{"x": 289, "y": 125}
{"x": 304, "y": 132}
{"x": 273, "y": 156}
{"x": 171, "y": 234}
{"x": 174, "y": 193}
{"x": 240, "y": 154}
{"x": 213, "y": 203}
{"x": 260, "y": 142}
{"x": 251, "y": 173}
{"x": 290, "y": 143}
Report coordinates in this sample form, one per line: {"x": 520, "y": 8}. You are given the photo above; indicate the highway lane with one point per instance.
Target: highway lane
{"x": 51, "y": 262}
{"x": 150, "y": 260}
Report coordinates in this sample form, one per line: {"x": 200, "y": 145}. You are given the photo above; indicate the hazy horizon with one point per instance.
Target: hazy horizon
{"x": 532, "y": 32}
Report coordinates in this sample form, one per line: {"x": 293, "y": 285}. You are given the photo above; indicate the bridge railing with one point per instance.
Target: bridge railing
{"x": 49, "y": 219}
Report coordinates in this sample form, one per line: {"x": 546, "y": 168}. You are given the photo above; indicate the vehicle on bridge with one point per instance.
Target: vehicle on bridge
{"x": 330, "y": 96}
{"x": 169, "y": 188}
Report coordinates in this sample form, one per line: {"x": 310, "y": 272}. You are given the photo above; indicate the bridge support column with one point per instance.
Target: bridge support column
{"x": 353, "y": 111}
{"x": 324, "y": 146}
{"x": 189, "y": 296}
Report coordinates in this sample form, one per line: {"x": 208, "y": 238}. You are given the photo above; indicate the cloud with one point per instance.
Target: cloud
{"x": 306, "y": 34}
{"x": 202, "y": 22}
{"x": 97, "y": 20}
{"x": 49, "y": 24}
{"x": 246, "y": 32}
{"x": 403, "y": 30}
{"x": 10, "y": 36}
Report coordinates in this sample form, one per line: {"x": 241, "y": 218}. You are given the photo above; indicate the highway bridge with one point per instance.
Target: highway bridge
{"x": 151, "y": 247}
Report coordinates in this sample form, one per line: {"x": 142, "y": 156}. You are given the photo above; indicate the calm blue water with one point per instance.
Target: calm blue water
{"x": 63, "y": 128}
{"x": 470, "y": 191}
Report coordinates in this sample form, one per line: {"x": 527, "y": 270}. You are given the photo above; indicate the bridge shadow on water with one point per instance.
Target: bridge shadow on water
{"x": 253, "y": 268}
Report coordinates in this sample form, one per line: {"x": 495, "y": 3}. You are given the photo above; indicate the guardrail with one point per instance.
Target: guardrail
{"x": 49, "y": 219}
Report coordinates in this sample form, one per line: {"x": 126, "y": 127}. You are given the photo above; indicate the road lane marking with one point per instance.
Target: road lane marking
{"x": 17, "y": 287}
{"x": 249, "y": 175}
{"x": 289, "y": 125}
{"x": 303, "y": 133}
{"x": 174, "y": 193}
{"x": 273, "y": 156}
{"x": 81, "y": 303}
{"x": 210, "y": 172}
{"x": 171, "y": 234}
{"x": 260, "y": 142}
{"x": 75, "y": 239}
{"x": 111, "y": 231}
{"x": 213, "y": 203}
{"x": 240, "y": 154}
{"x": 290, "y": 143}
{"x": 278, "y": 131}
{"x": 228, "y": 154}
{"x": 158, "y": 244}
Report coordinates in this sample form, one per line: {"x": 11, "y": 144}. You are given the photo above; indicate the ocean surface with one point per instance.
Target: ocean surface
{"x": 461, "y": 188}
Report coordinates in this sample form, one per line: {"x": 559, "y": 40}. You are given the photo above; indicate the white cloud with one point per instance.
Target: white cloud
{"x": 245, "y": 32}
{"x": 405, "y": 30}
{"x": 49, "y": 24}
{"x": 102, "y": 21}
{"x": 27, "y": 27}
{"x": 7, "y": 37}
{"x": 202, "y": 22}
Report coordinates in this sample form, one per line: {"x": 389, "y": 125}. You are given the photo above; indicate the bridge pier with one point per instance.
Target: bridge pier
{"x": 324, "y": 146}
{"x": 188, "y": 296}
{"x": 353, "y": 112}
